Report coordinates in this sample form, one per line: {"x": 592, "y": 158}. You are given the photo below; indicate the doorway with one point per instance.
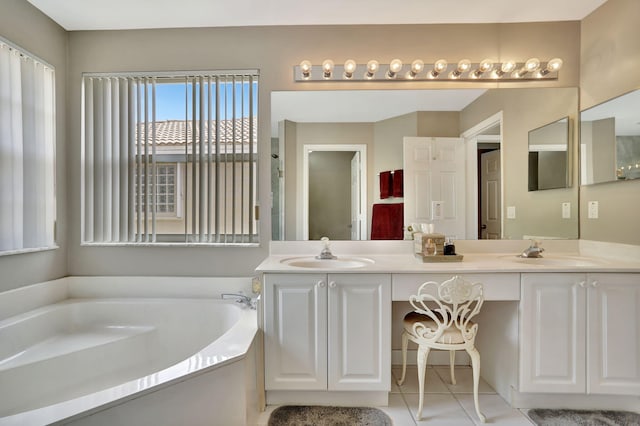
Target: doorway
{"x": 334, "y": 192}
{"x": 484, "y": 182}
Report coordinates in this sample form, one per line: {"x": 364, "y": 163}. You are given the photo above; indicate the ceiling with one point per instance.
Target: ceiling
{"x": 363, "y": 106}
{"x": 135, "y": 14}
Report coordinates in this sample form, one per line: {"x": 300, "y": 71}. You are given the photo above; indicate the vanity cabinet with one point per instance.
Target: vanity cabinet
{"x": 580, "y": 333}
{"x": 327, "y": 332}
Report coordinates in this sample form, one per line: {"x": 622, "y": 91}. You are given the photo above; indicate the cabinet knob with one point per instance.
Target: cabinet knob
{"x": 582, "y": 284}
{"x": 332, "y": 284}
{"x": 321, "y": 284}
{"x": 594, "y": 284}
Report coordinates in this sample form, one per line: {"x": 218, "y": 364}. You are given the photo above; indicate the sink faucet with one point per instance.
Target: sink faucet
{"x": 326, "y": 252}
{"x": 240, "y": 298}
{"x": 534, "y": 250}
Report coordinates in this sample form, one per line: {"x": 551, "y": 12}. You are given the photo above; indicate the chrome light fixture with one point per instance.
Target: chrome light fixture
{"x": 465, "y": 70}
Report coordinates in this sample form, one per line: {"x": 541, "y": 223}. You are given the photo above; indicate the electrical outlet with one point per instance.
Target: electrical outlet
{"x": 593, "y": 210}
{"x": 511, "y": 212}
{"x": 566, "y": 210}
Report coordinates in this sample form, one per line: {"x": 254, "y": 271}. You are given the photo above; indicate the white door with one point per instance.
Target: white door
{"x": 356, "y": 211}
{"x": 614, "y": 334}
{"x": 553, "y": 333}
{"x": 434, "y": 177}
{"x": 295, "y": 331}
{"x": 491, "y": 201}
{"x": 359, "y": 332}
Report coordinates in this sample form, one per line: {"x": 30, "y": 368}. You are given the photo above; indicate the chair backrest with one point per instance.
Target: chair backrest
{"x": 453, "y": 303}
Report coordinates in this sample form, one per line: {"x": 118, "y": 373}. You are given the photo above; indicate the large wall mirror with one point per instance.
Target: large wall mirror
{"x": 610, "y": 140}
{"x": 484, "y": 131}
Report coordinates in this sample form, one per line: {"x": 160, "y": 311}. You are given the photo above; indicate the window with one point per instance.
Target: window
{"x": 27, "y": 151}
{"x": 166, "y": 184}
{"x": 170, "y": 158}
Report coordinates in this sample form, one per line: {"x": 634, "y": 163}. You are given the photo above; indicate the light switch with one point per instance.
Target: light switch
{"x": 511, "y": 212}
{"x": 566, "y": 210}
{"x": 593, "y": 210}
{"x": 436, "y": 209}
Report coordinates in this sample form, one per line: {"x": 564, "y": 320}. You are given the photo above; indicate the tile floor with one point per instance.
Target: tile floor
{"x": 444, "y": 404}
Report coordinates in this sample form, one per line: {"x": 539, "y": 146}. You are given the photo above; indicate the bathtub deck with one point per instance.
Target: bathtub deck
{"x": 74, "y": 341}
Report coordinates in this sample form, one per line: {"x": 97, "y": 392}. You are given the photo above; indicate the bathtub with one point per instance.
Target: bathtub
{"x": 127, "y": 350}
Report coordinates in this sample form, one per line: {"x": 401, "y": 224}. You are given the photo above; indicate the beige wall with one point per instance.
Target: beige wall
{"x": 23, "y": 25}
{"x": 610, "y": 60}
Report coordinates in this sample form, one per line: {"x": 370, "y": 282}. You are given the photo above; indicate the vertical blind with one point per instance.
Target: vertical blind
{"x": 214, "y": 141}
{"x": 27, "y": 154}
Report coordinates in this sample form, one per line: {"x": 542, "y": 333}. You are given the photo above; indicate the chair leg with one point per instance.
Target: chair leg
{"x": 405, "y": 345}
{"x": 423, "y": 354}
{"x": 452, "y": 361}
{"x": 475, "y": 365}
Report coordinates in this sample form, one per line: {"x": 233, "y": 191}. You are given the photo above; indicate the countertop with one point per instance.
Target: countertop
{"x": 471, "y": 263}
{"x": 560, "y": 257}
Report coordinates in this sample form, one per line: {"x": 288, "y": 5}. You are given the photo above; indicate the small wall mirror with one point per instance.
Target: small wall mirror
{"x": 610, "y": 140}
{"x": 548, "y": 159}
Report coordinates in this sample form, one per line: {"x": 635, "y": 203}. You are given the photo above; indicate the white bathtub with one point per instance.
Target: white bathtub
{"x": 106, "y": 351}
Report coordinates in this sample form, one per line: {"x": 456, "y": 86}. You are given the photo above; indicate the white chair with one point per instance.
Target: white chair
{"x": 446, "y": 325}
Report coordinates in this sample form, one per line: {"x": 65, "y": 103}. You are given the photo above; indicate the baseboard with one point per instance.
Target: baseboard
{"x": 574, "y": 401}
{"x": 339, "y": 398}
{"x": 436, "y": 357}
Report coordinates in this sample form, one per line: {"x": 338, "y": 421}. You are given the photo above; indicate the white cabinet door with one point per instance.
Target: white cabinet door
{"x": 553, "y": 333}
{"x": 295, "y": 331}
{"x": 614, "y": 334}
{"x": 359, "y": 332}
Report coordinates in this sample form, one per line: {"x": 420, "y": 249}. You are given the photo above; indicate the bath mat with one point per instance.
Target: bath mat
{"x": 548, "y": 417}
{"x": 292, "y": 415}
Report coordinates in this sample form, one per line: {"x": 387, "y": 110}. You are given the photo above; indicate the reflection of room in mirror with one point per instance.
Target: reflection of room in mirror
{"x": 610, "y": 140}
{"x": 381, "y": 120}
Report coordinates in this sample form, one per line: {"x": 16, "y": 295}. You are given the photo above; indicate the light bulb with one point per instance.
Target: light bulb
{"x": 394, "y": 68}
{"x": 327, "y": 68}
{"x": 372, "y": 67}
{"x": 416, "y": 68}
{"x": 305, "y": 68}
{"x": 439, "y": 67}
{"x": 532, "y": 64}
{"x": 508, "y": 66}
{"x": 553, "y": 65}
{"x": 463, "y": 66}
{"x": 349, "y": 68}
{"x": 486, "y": 65}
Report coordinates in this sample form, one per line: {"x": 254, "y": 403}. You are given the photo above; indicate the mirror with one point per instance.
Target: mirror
{"x": 380, "y": 121}
{"x": 610, "y": 140}
{"x": 548, "y": 160}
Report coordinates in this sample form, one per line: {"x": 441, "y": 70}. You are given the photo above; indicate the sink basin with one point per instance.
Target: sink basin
{"x": 557, "y": 260}
{"x": 339, "y": 263}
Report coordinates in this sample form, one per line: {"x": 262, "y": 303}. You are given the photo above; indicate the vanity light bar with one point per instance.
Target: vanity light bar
{"x": 464, "y": 70}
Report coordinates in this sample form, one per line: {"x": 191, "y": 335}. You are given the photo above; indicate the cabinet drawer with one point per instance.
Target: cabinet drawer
{"x": 496, "y": 286}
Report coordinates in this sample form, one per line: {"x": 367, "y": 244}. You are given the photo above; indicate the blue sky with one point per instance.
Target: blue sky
{"x": 170, "y": 100}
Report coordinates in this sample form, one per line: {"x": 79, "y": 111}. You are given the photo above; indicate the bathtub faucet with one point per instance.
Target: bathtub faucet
{"x": 240, "y": 298}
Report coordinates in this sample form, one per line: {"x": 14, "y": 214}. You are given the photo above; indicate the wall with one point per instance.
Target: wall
{"x": 274, "y": 50}
{"x": 610, "y": 59}
{"x": 24, "y": 25}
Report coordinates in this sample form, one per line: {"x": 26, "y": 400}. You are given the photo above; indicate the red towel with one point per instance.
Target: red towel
{"x": 398, "y": 183}
{"x": 386, "y": 221}
{"x": 385, "y": 185}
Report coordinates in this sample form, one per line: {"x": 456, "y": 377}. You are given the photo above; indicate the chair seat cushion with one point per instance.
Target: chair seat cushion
{"x": 451, "y": 335}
